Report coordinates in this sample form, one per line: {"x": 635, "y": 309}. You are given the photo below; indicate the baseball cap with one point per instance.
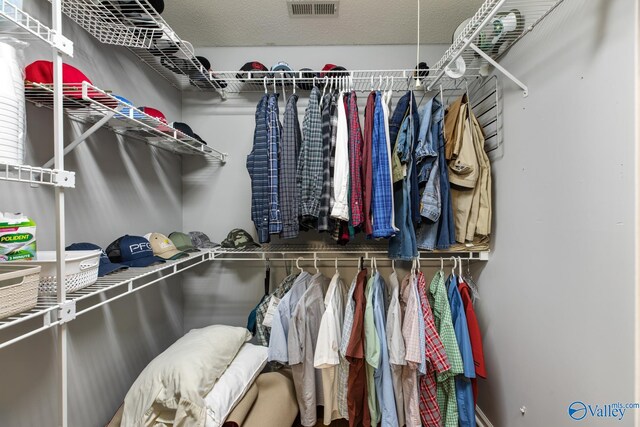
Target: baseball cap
{"x": 127, "y": 110}
{"x": 239, "y": 239}
{"x": 133, "y": 251}
{"x": 196, "y": 136}
{"x": 183, "y": 242}
{"x": 257, "y": 69}
{"x": 330, "y": 70}
{"x": 184, "y": 128}
{"x": 421, "y": 71}
{"x": 164, "y": 248}
{"x": 106, "y": 266}
{"x": 154, "y": 113}
{"x": 306, "y": 83}
{"x": 201, "y": 240}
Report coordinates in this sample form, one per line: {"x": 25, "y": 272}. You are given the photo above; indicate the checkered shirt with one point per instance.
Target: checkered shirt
{"x": 325, "y": 198}
{"x": 258, "y": 167}
{"x": 367, "y": 167}
{"x": 264, "y": 332}
{"x": 310, "y": 161}
{"x": 274, "y": 130}
{"x": 437, "y": 362}
{"x": 446, "y": 390}
{"x": 291, "y": 138}
{"x": 356, "y": 216}
{"x": 382, "y": 199}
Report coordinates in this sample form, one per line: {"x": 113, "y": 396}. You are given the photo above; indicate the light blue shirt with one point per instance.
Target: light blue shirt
{"x": 278, "y": 349}
{"x": 464, "y": 390}
{"x": 382, "y": 374}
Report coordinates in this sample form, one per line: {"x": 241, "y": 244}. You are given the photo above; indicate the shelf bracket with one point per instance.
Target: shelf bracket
{"x": 67, "y": 311}
{"x": 62, "y": 43}
{"x": 525, "y": 89}
{"x": 86, "y": 134}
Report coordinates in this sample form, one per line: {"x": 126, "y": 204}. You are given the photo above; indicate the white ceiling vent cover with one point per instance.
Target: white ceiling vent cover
{"x": 317, "y": 8}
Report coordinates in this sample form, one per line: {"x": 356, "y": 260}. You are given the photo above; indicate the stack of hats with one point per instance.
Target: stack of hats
{"x": 282, "y": 72}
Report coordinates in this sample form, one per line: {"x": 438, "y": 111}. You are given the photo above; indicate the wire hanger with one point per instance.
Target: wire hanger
{"x": 298, "y": 264}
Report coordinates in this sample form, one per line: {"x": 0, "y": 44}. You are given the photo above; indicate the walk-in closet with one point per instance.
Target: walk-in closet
{"x": 301, "y": 213}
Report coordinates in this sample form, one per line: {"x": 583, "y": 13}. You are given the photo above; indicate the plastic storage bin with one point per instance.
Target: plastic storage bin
{"x": 18, "y": 288}
{"x": 81, "y": 270}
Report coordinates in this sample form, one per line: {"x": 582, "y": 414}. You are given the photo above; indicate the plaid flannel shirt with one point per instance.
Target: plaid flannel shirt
{"x": 325, "y": 197}
{"x": 263, "y": 332}
{"x": 274, "y": 130}
{"x": 382, "y": 201}
{"x": 367, "y": 165}
{"x": 291, "y": 138}
{"x": 356, "y": 216}
{"x": 310, "y": 161}
{"x": 258, "y": 167}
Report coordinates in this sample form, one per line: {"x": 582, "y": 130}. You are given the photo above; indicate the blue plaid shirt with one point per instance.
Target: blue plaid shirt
{"x": 381, "y": 202}
{"x": 258, "y": 167}
{"x": 274, "y": 131}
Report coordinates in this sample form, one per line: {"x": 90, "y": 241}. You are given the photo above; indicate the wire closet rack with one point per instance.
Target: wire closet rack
{"x": 87, "y": 103}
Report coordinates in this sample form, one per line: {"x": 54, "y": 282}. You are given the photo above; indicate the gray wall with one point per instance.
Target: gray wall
{"x": 557, "y": 307}
{"x": 122, "y": 186}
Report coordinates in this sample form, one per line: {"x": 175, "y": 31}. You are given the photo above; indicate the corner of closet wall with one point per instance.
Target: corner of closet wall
{"x": 217, "y": 198}
{"x": 123, "y": 186}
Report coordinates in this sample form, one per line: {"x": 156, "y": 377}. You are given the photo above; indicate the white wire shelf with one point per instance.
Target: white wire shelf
{"x": 90, "y": 104}
{"x": 23, "y": 325}
{"x": 36, "y": 175}
{"x": 34, "y": 27}
{"x": 493, "y": 30}
{"x": 321, "y": 252}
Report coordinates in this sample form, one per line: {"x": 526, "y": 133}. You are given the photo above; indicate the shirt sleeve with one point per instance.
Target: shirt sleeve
{"x": 326, "y": 354}
{"x": 278, "y": 339}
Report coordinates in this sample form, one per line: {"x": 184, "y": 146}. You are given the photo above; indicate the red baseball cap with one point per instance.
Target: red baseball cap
{"x": 42, "y": 72}
{"x": 326, "y": 70}
{"x": 157, "y": 114}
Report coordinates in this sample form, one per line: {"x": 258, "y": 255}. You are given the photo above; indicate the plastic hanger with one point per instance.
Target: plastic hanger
{"x": 460, "y": 267}
{"x": 294, "y": 84}
{"x": 315, "y": 265}
{"x": 393, "y": 265}
{"x": 441, "y": 264}
{"x": 284, "y": 93}
{"x": 298, "y": 264}
{"x": 274, "y": 84}
{"x": 324, "y": 87}
{"x": 455, "y": 263}
{"x": 380, "y": 82}
{"x": 417, "y": 264}
{"x": 264, "y": 82}
{"x": 336, "y": 265}
{"x": 372, "y": 87}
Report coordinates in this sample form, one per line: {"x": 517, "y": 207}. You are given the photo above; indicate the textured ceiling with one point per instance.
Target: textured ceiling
{"x": 267, "y": 22}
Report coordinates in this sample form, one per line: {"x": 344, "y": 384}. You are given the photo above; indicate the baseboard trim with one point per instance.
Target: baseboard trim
{"x": 481, "y": 418}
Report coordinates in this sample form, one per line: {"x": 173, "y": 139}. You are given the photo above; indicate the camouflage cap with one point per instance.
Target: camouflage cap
{"x": 239, "y": 239}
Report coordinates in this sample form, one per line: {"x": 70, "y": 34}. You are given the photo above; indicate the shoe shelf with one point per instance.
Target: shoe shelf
{"x": 491, "y": 32}
{"x": 37, "y": 176}
{"x": 32, "y": 26}
{"x": 49, "y": 313}
{"x": 136, "y": 25}
{"x": 89, "y": 104}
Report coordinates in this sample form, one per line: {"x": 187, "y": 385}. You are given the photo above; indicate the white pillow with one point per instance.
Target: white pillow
{"x": 234, "y": 383}
{"x": 172, "y": 387}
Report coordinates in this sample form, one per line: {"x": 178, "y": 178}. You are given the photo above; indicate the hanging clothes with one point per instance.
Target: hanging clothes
{"x": 413, "y": 352}
{"x": 325, "y": 197}
{"x": 278, "y": 348}
{"x": 327, "y": 357}
{"x": 309, "y": 169}
{"x": 464, "y": 391}
{"x": 258, "y": 167}
{"x": 382, "y": 374}
{"x": 268, "y": 308}
{"x": 395, "y": 343}
{"x": 340, "y": 208}
{"x": 446, "y": 391}
{"x": 274, "y": 134}
{"x": 357, "y": 384}
{"x": 289, "y": 152}
{"x": 386, "y": 106}
{"x": 302, "y": 339}
{"x": 437, "y": 362}
{"x": 371, "y": 352}
{"x": 367, "y": 163}
{"x": 446, "y": 227}
{"x": 382, "y": 202}
{"x": 356, "y": 215}
{"x": 347, "y": 327}
{"x": 474, "y": 336}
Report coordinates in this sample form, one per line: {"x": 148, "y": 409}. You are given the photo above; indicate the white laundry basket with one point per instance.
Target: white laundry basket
{"x": 18, "y": 288}
{"x": 81, "y": 270}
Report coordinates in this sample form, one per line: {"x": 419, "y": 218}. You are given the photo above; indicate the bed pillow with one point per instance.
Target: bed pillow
{"x": 172, "y": 387}
{"x": 234, "y": 383}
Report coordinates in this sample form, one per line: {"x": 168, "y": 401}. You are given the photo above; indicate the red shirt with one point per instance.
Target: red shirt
{"x": 474, "y": 337}
{"x": 367, "y": 165}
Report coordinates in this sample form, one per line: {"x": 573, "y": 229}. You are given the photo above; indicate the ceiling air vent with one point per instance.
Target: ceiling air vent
{"x": 306, "y": 8}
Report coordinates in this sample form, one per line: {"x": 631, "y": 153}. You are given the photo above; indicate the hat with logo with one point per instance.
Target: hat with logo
{"x": 183, "y": 242}
{"x": 106, "y": 266}
{"x": 201, "y": 240}
{"x": 257, "y": 69}
{"x": 330, "y": 70}
{"x": 133, "y": 251}
{"x": 164, "y": 248}
{"x": 239, "y": 239}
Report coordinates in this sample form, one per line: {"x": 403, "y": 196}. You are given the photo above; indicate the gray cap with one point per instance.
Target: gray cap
{"x": 201, "y": 240}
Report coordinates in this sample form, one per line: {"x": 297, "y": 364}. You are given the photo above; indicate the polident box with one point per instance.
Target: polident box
{"x": 17, "y": 237}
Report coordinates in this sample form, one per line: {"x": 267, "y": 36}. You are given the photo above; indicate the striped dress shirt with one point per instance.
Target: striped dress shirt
{"x": 258, "y": 167}
{"x": 274, "y": 133}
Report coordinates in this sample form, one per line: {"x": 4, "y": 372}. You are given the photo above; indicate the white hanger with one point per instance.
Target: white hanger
{"x": 418, "y": 263}
{"x": 460, "y": 267}
{"x": 264, "y": 82}
{"x": 274, "y": 84}
{"x": 315, "y": 265}
{"x": 372, "y": 87}
{"x": 374, "y": 264}
{"x": 455, "y": 263}
{"x": 298, "y": 264}
{"x": 380, "y": 82}
{"x": 393, "y": 262}
{"x": 336, "y": 265}
{"x": 441, "y": 264}
{"x": 314, "y": 81}
{"x": 294, "y": 84}
{"x": 324, "y": 87}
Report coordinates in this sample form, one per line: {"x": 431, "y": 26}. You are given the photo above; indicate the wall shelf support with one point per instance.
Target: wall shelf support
{"x": 507, "y": 74}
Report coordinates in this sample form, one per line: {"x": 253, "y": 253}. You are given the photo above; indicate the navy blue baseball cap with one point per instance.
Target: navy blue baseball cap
{"x": 134, "y": 251}
{"x": 106, "y": 266}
